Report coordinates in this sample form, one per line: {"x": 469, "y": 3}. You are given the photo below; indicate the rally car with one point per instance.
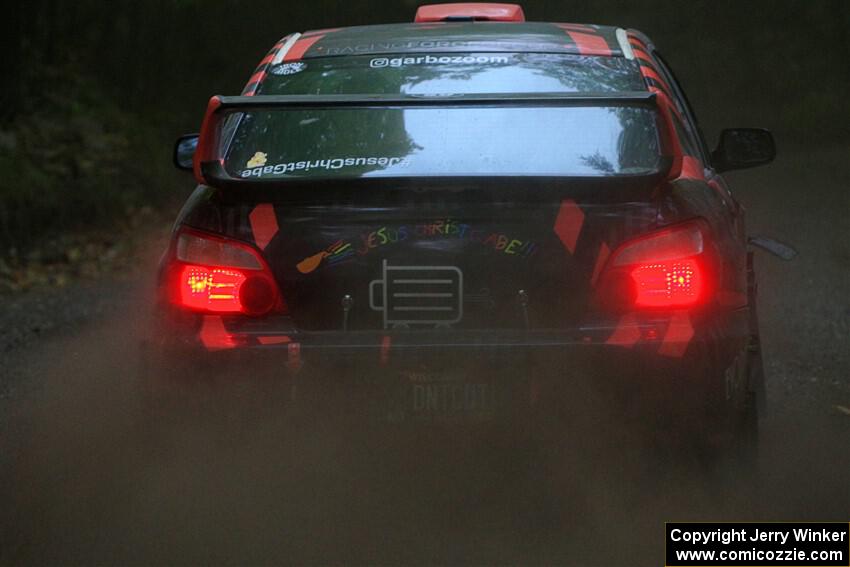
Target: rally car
{"x": 466, "y": 217}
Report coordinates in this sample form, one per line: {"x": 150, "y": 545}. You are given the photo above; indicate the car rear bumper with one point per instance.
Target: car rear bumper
{"x": 667, "y": 336}
{"x": 638, "y": 364}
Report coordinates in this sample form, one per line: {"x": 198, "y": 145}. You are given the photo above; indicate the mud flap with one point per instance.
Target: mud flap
{"x": 755, "y": 363}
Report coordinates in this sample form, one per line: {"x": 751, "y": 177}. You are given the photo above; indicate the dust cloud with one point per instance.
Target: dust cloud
{"x": 97, "y": 475}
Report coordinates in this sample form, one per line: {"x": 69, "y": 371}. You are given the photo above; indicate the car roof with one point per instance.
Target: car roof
{"x": 443, "y": 37}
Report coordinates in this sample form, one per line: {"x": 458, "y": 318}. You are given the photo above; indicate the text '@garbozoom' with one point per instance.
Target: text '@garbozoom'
{"x": 767, "y": 544}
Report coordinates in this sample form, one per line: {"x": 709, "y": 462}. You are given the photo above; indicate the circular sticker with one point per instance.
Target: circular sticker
{"x": 288, "y": 68}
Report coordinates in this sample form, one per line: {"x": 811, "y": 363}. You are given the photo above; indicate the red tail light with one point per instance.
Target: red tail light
{"x": 669, "y": 268}
{"x": 668, "y": 284}
{"x": 217, "y": 275}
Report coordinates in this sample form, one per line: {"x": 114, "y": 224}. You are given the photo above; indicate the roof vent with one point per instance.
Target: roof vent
{"x": 470, "y": 11}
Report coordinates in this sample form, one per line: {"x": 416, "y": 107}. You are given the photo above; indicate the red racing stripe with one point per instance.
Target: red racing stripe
{"x": 678, "y": 336}
{"x": 589, "y": 44}
{"x": 643, "y": 55}
{"x": 257, "y": 77}
{"x": 663, "y": 97}
{"x": 213, "y": 335}
{"x": 301, "y": 46}
{"x": 653, "y": 85}
{"x": 263, "y": 224}
{"x": 568, "y": 224}
{"x": 692, "y": 168}
{"x": 577, "y": 27}
{"x": 627, "y": 332}
{"x": 601, "y": 258}
{"x": 268, "y": 58}
{"x": 650, "y": 73}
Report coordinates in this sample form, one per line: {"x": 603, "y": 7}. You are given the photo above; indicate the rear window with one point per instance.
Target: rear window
{"x": 465, "y": 73}
{"x": 432, "y": 141}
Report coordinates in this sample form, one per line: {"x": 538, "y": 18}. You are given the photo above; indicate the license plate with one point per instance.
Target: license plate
{"x": 446, "y": 397}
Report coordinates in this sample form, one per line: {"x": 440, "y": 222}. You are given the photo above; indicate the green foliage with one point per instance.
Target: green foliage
{"x": 79, "y": 160}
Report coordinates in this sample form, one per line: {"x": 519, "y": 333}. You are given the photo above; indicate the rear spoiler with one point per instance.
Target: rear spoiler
{"x": 209, "y": 167}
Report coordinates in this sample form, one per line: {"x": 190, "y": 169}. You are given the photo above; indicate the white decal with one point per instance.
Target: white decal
{"x": 288, "y": 68}
{"x": 418, "y": 295}
{"x": 326, "y": 164}
{"x": 396, "y": 62}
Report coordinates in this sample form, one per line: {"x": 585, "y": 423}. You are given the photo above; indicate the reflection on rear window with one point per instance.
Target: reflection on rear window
{"x": 466, "y": 73}
{"x": 354, "y": 142}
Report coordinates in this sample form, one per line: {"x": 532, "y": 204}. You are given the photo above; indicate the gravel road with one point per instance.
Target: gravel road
{"x": 85, "y": 478}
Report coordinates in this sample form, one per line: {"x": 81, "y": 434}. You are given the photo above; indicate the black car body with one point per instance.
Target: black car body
{"x": 463, "y": 215}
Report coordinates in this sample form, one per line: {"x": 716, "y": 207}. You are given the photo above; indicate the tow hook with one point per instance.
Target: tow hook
{"x": 522, "y": 298}
{"x": 347, "y": 303}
